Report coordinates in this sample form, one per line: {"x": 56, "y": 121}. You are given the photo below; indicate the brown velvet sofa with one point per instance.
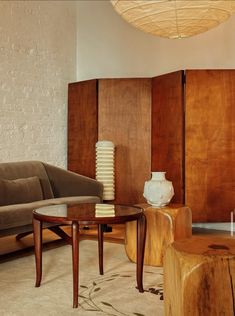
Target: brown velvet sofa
{"x": 27, "y": 185}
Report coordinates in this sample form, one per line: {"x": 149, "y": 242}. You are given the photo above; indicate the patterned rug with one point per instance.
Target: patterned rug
{"x": 113, "y": 293}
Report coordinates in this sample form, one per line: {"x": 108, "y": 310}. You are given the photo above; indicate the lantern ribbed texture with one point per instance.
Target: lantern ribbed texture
{"x": 175, "y": 18}
{"x": 105, "y": 167}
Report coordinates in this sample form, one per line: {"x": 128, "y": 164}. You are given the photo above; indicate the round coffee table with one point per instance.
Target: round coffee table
{"x": 88, "y": 214}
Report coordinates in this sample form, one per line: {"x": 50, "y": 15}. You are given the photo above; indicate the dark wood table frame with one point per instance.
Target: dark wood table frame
{"x": 39, "y": 218}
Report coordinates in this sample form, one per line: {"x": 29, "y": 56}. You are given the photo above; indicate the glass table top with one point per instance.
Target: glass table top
{"x": 88, "y": 211}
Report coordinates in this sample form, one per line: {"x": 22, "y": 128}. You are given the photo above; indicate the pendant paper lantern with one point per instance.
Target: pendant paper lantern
{"x": 105, "y": 167}
{"x": 174, "y": 18}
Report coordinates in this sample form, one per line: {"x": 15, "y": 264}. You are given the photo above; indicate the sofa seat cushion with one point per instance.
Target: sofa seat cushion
{"x": 21, "y": 214}
{"x": 19, "y": 191}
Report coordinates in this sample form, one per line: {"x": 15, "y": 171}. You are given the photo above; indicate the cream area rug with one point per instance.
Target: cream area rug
{"x": 113, "y": 293}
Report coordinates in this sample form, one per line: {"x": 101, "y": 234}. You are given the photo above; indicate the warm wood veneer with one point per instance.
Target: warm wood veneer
{"x": 167, "y": 137}
{"x": 82, "y": 131}
{"x": 125, "y": 119}
{"x": 210, "y": 144}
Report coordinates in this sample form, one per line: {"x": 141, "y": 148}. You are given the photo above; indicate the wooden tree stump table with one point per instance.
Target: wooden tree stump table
{"x": 164, "y": 225}
{"x": 199, "y": 277}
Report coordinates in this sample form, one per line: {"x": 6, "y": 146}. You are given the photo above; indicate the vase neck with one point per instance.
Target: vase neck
{"x": 160, "y": 175}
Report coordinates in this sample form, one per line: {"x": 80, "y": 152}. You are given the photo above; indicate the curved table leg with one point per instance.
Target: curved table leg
{"x": 100, "y": 246}
{"x": 141, "y": 236}
{"x": 75, "y": 254}
{"x": 37, "y": 235}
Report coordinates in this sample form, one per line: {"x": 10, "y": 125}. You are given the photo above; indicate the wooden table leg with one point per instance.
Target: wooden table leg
{"x": 75, "y": 251}
{"x": 100, "y": 246}
{"x": 141, "y": 236}
{"x": 37, "y": 234}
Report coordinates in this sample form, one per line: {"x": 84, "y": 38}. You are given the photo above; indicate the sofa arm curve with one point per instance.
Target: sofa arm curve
{"x": 67, "y": 183}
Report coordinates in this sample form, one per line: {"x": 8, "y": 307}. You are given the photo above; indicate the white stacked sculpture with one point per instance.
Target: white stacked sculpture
{"x": 105, "y": 167}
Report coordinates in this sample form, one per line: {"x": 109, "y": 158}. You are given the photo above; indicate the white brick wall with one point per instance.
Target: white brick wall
{"x": 37, "y": 61}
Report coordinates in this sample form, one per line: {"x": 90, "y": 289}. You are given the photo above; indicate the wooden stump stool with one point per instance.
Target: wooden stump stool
{"x": 164, "y": 225}
{"x": 199, "y": 277}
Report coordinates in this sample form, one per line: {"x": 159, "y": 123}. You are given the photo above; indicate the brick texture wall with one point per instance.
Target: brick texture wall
{"x": 37, "y": 60}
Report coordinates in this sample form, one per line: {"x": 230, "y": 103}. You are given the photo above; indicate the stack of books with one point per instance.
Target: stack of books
{"x": 104, "y": 210}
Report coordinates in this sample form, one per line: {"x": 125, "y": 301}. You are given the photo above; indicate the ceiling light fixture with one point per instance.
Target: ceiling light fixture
{"x": 175, "y": 18}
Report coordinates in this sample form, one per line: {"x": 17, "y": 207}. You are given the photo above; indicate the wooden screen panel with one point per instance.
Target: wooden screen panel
{"x": 125, "y": 119}
{"x": 168, "y": 129}
{"x": 210, "y": 144}
{"x": 82, "y": 127}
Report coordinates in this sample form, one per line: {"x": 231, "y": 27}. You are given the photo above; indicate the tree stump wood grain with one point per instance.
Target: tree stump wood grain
{"x": 164, "y": 225}
{"x": 199, "y": 277}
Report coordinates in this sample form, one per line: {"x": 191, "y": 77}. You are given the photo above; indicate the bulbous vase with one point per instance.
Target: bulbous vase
{"x": 158, "y": 191}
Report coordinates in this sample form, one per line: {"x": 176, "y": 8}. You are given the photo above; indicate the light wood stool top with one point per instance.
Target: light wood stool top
{"x": 199, "y": 277}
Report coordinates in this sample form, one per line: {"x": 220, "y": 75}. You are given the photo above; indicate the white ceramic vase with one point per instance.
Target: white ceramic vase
{"x": 158, "y": 191}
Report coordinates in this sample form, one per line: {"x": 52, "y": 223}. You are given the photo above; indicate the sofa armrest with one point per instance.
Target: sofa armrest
{"x": 67, "y": 183}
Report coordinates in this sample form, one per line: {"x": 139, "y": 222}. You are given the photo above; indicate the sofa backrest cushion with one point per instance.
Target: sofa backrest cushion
{"x": 19, "y": 191}
{"x": 27, "y": 169}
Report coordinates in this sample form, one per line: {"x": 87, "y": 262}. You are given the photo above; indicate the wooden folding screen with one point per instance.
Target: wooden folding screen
{"x": 183, "y": 124}
{"x": 168, "y": 129}
{"x": 118, "y": 110}
{"x": 125, "y": 118}
{"x": 82, "y": 127}
{"x": 210, "y": 144}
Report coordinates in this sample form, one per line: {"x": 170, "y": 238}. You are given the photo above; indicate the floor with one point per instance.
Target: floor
{"x": 206, "y": 231}
{"x": 10, "y": 247}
